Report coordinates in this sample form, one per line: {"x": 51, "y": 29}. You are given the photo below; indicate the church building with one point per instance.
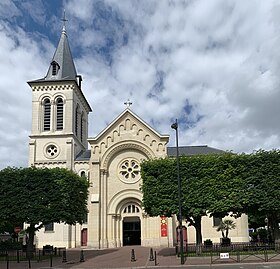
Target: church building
{"x": 59, "y": 138}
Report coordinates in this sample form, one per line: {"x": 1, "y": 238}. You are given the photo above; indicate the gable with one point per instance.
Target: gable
{"x": 128, "y": 128}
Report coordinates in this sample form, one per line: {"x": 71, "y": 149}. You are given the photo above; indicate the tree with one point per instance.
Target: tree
{"x": 209, "y": 185}
{"x": 39, "y": 196}
{"x": 218, "y": 185}
{"x": 263, "y": 188}
{"x": 9, "y": 227}
{"x": 225, "y": 226}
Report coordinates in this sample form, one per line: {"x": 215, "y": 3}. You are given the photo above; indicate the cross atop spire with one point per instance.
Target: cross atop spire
{"x": 62, "y": 65}
{"x": 64, "y": 20}
{"x": 128, "y": 103}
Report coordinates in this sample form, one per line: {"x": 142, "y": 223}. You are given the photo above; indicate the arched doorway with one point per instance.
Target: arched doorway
{"x": 84, "y": 237}
{"x": 126, "y": 219}
{"x": 131, "y": 231}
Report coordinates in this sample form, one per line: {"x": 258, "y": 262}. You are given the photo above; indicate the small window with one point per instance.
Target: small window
{"x": 52, "y": 151}
{"x": 76, "y": 120}
{"x": 47, "y": 114}
{"x": 216, "y": 221}
{"x": 49, "y": 227}
{"x": 55, "y": 68}
{"x": 83, "y": 174}
{"x": 59, "y": 114}
{"x": 82, "y": 126}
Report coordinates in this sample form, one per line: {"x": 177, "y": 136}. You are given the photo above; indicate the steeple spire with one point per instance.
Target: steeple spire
{"x": 62, "y": 66}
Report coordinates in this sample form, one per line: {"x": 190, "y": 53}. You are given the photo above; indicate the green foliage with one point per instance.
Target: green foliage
{"x": 225, "y": 226}
{"x": 215, "y": 184}
{"x": 159, "y": 187}
{"x": 38, "y": 196}
{"x": 10, "y": 245}
{"x": 41, "y": 196}
{"x": 263, "y": 188}
{"x": 8, "y": 226}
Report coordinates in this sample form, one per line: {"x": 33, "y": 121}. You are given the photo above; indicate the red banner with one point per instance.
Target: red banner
{"x": 163, "y": 226}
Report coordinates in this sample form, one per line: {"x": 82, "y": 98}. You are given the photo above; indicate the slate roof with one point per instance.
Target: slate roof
{"x": 193, "y": 150}
{"x": 63, "y": 57}
{"x": 83, "y": 155}
{"x": 66, "y": 71}
{"x": 171, "y": 152}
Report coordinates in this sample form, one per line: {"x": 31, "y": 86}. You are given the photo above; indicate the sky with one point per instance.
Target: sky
{"x": 212, "y": 64}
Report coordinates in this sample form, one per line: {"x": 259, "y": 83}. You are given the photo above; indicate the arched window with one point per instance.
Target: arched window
{"x": 76, "y": 120}
{"x": 84, "y": 173}
{"x": 59, "y": 114}
{"x": 131, "y": 209}
{"x": 82, "y": 126}
{"x": 47, "y": 114}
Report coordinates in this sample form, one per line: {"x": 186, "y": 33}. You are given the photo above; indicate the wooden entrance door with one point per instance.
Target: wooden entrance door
{"x": 84, "y": 237}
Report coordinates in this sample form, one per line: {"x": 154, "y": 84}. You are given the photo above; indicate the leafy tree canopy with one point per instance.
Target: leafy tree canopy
{"x": 215, "y": 184}
{"x": 39, "y": 196}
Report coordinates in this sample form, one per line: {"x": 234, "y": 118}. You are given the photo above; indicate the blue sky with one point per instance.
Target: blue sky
{"x": 212, "y": 64}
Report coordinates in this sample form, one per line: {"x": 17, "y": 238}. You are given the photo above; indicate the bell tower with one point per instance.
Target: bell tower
{"x": 59, "y": 112}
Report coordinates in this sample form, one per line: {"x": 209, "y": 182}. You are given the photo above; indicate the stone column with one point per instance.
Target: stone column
{"x": 114, "y": 230}
{"x": 104, "y": 218}
{"x": 94, "y": 216}
{"x": 118, "y": 231}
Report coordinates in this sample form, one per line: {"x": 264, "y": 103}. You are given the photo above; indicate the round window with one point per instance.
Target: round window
{"x": 51, "y": 151}
{"x": 129, "y": 171}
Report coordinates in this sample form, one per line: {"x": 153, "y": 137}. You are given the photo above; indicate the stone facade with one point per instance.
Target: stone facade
{"x": 59, "y": 138}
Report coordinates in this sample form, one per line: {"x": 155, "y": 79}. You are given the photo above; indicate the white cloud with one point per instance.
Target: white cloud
{"x": 22, "y": 60}
{"x": 213, "y": 64}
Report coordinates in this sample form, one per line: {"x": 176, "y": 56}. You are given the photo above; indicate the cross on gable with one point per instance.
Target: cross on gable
{"x": 128, "y": 103}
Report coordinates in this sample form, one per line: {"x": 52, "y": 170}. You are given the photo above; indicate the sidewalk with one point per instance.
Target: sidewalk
{"x": 120, "y": 258}
{"x": 110, "y": 258}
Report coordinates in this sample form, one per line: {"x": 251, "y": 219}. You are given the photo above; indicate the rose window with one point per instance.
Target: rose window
{"x": 129, "y": 170}
{"x": 52, "y": 151}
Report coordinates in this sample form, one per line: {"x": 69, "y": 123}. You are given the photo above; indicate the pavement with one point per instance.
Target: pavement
{"x": 125, "y": 257}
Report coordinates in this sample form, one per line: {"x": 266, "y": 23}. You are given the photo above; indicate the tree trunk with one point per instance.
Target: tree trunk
{"x": 197, "y": 225}
{"x": 198, "y": 233}
{"x": 273, "y": 227}
{"x": 227, "y": 230}
{"x": 30, "y": 242}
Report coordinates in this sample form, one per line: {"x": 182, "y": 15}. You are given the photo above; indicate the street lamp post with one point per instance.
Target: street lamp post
{"x": 175, "y": 127}
{"x": 267, "y": 231}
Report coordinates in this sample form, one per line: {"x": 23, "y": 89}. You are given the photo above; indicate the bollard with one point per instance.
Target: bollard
{"x": 7, "y": 259}
{"x": 29, "y": 262}
{"x": 64, "y": 256}
{"x": 17, "y": 256}
{"x": 155, "y": 258}
{"x": 133, "y": 255}
{"x": 39, "y": 256}
{"x": 51, "y": 259}
{"x": 151, "y": 255}
{"x": 82, "y": 258}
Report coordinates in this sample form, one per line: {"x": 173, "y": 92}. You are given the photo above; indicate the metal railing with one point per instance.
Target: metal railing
{"x": 234, "y": 252}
